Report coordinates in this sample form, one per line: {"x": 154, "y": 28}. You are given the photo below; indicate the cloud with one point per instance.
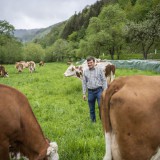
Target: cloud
{"x": 29, "y": 14}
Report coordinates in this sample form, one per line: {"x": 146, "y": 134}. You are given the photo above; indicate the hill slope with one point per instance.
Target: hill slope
{"x": 26, "y": 35}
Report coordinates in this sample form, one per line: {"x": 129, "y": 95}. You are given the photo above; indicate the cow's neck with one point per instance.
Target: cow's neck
{"x": 32, "y": 135}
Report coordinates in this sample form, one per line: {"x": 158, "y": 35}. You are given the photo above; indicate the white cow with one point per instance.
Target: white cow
{"x": 31, "y": 66}
{"x": 77, "y": 71}
{"x": 74, "y": 71}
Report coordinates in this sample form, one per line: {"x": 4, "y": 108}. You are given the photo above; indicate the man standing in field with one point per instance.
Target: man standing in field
{"x": 94, "y": 81}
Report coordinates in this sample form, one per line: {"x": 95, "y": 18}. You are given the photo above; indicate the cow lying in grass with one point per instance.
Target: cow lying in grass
{"x": 77, "y": 71}
{"x": 20, "y": 130}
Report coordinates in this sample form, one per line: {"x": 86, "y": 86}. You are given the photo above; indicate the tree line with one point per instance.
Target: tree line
{"x": 107, "y": 29}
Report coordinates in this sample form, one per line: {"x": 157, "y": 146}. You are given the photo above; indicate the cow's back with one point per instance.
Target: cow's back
{"x": 134, "y": 111}
{"x": 9, "y": 114}
{"x": 13, "y": 106}
{"x": 16, "y": 115}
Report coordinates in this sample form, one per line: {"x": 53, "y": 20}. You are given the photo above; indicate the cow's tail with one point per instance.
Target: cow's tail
{"x": 112, "y": 77}
{"x": 105, "y": 107}
{"x": 105, "y": 115}
{"x": 113, "y": 68}
{"x": 105, "y": 103}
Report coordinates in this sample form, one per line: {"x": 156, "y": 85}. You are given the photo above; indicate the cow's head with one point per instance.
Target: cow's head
{"x": 74, "y": 71}
{"x": 31, "y": 67}
{"x": 109, "y": 73}
{"x": 6, "y": 74}
{"x": 52, "y": 151}
{"x": 70, "y": 71}
{"x": 19, "y": 66}
{"x": 41, "y": 63}
{"x": 3, "y": 73}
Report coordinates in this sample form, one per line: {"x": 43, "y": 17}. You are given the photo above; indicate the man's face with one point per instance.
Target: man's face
{"x": 91, "y": 64}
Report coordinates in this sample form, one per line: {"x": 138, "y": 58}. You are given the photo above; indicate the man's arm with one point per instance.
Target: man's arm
{"x": 84, "y": 86}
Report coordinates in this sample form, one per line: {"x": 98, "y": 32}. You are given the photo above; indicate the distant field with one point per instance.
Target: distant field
{"x": 58, "y": 105}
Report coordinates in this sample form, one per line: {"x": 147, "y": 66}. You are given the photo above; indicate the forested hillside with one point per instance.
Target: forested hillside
{"x": 51, "y": 36}
{"x": 112, "y": 29}
{"x": 28, "y": 35}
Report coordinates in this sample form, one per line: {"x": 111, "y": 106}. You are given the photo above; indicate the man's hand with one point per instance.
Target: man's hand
{"x": 84, "y": 97}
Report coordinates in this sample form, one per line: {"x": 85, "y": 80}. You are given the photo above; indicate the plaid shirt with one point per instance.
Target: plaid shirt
{"x": 93, "y": 78}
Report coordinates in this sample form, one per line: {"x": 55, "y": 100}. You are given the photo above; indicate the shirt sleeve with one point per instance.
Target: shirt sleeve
{"x": 104, "y": 80}
{"x": 84, "y": 84}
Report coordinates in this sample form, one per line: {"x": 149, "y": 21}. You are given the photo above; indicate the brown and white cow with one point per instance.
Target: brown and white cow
{"x": 74, "y": 71}
{"x": 109, "y": 72}
{"x": 19, "y": 128}
{"x": 19, "y": 66}
{"x": 3, "y": 72}
{"x": 130, "y": 113}
{"x": 41, "y": 63}
{"x": 25, "y": 64}
{"x": 69, "y": 62}
{"x": 31, "y": 66}
{"x": 77, "y": 71}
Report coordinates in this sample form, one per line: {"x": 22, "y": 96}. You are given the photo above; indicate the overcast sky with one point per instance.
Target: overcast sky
{"x": 30, "y": 14}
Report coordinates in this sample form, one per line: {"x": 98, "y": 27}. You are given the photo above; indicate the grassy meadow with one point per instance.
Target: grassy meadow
{"x": 59, "y": 108}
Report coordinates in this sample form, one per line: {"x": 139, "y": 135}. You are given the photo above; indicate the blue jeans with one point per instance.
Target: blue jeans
{"x": 92, "y": 97}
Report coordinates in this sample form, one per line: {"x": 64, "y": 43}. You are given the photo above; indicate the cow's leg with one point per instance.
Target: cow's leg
{"x": 4, "y": 151}
{"x": 108, "y": 154}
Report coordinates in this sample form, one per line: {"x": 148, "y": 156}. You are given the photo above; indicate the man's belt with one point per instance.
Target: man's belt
{"x": 95, "y": 89}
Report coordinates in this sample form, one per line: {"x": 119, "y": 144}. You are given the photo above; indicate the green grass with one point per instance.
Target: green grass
{"x": 59, "y": 108}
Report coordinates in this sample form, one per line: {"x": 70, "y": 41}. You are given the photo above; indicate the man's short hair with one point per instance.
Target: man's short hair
{"x": 90, "y": 59}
